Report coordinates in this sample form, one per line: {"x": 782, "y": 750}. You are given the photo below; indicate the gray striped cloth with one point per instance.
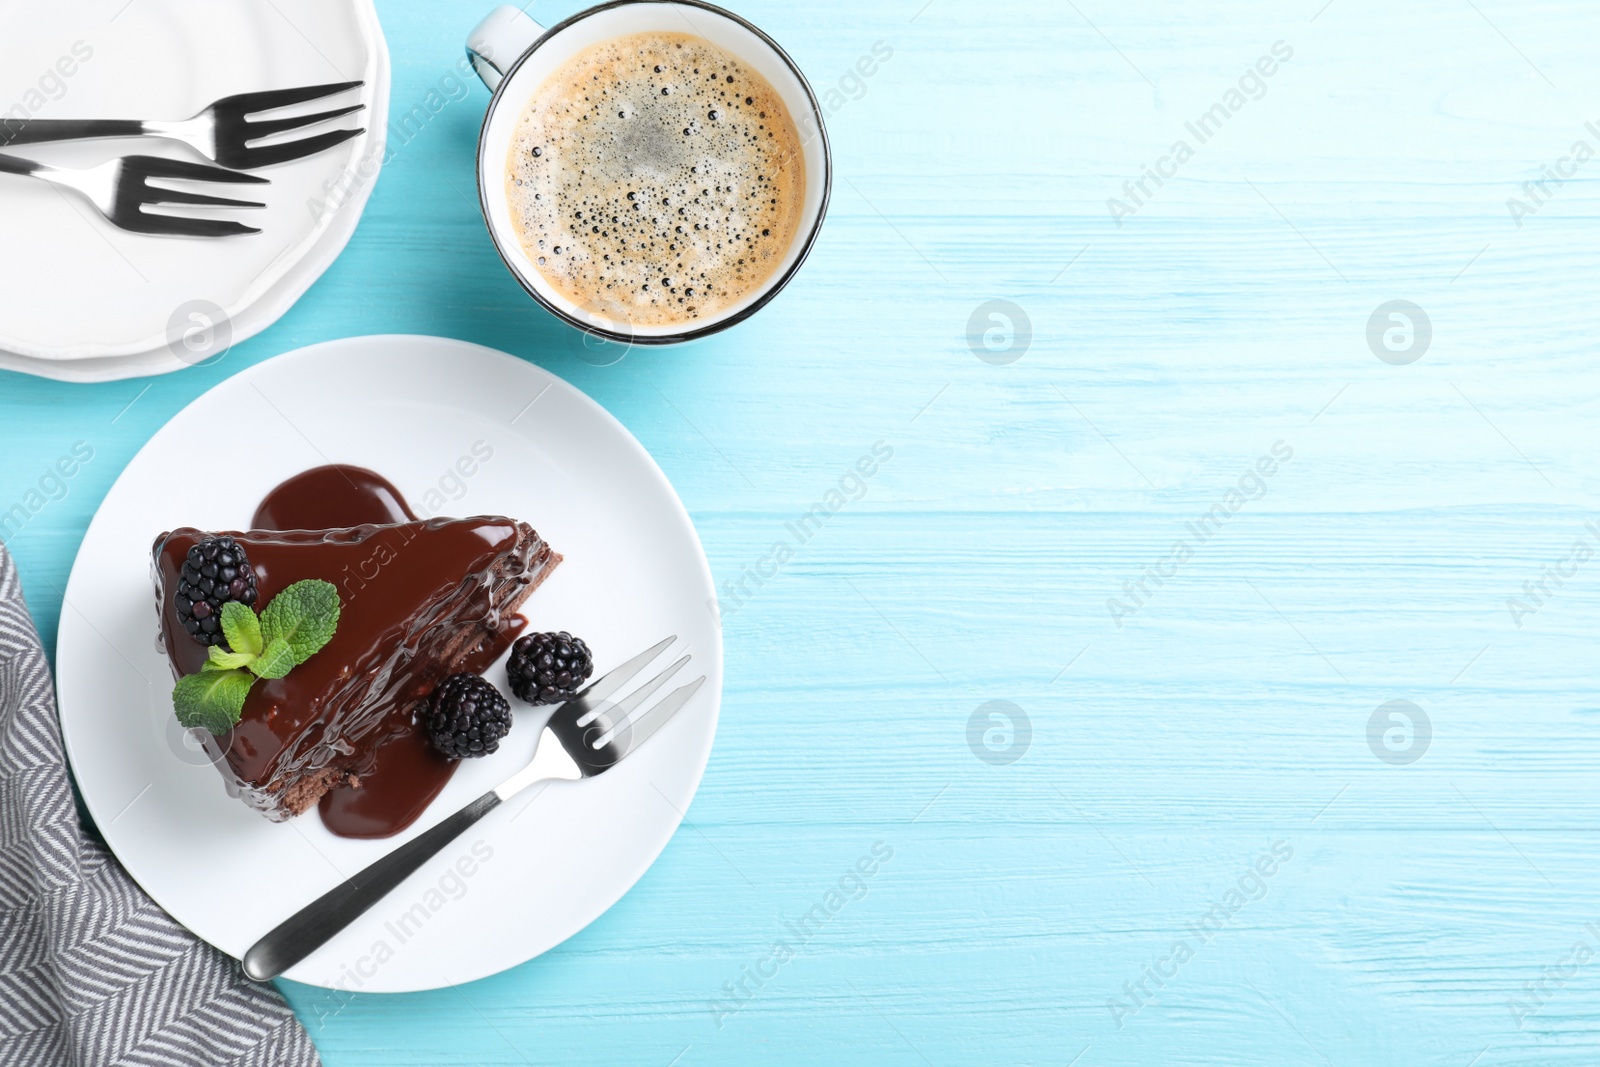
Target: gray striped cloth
{"x": 91, "y": 971}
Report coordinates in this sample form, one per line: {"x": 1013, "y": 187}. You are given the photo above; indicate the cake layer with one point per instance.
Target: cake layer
{"x": 418, "y": 600}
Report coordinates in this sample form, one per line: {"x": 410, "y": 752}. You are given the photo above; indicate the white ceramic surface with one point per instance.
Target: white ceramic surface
{"x": 412, "y": 408}
{"x": 88, "y": 302}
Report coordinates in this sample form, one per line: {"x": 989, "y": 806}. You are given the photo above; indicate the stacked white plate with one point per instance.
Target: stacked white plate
{"x": 86, "y": 302}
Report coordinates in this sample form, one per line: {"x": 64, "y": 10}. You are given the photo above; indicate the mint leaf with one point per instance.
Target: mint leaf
{"x": 211, "y": 700}
{"x": 293, "y": 628}
{"x": 241, "y": 627}
{"x": 220, "y": 659}
{"x": 303, "y": 615}
{"x": 276, "y": 660}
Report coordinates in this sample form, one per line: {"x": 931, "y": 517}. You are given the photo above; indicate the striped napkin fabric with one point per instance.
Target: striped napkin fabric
{"x": 92, "y": 972}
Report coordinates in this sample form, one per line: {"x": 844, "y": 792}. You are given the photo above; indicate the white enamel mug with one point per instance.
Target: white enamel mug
{"x": 514, "y": 55}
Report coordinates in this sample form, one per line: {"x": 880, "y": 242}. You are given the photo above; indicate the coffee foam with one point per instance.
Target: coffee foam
{"x": 655, "y": 179}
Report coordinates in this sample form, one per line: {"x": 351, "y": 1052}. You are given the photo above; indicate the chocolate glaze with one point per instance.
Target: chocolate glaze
{"x": 408, "y": 772}
{"x": 421, "y": 600}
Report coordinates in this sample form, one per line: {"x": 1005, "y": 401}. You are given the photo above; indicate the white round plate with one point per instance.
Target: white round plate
{"x": 421, "y": 411}
{"x": 89, "y": 302}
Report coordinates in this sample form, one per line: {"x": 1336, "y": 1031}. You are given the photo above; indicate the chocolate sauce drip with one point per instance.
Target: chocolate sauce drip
{"x": 407, "y": 773}
{"x": 331, "y": 498}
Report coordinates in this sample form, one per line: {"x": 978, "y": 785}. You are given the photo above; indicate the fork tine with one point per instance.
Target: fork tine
{"x": 159, "y": 195}
{"x": 271, "y": 155}
{"x": 251, "y": 103}
{"x": 176, "y": 226}
{"x": 267, "y": 127}
{"x": 607, "y": 684}
{"x": 155, "y": 167}
{"x": 623, "y": 708}
{"x": 639, "y": 731}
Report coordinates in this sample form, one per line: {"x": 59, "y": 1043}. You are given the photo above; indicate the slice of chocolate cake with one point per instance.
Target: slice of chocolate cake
{"x": 418, "y": 600}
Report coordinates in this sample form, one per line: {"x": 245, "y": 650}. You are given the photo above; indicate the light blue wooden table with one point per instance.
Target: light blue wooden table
{"x": 1220, "y": 844}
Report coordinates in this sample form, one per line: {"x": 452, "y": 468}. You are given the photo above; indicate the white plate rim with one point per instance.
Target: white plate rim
{"x": 270, "y": 296}
{"x": 713, "y": 667}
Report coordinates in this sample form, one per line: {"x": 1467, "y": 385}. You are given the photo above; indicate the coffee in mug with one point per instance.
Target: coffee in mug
{"x": 658, "y": 177}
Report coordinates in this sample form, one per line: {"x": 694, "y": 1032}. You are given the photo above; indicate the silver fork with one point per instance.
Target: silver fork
{"x": 584, "y": 737}
{"x": 120, "y": 190}
{"x": 222, "y": 132}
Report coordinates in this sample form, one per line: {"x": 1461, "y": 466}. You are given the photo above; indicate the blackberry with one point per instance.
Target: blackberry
{"x": 466, "y": 717}
{"x": 549, "y": 668}
{"x": 215, "y": 572}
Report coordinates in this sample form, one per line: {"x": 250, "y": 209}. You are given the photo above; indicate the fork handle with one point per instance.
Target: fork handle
{"x": 315, "y": 924}
{"x": 38, "y": 131}
{"x": 18, "y": 165}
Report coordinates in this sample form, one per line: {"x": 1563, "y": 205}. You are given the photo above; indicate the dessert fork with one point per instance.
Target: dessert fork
{"x": 120, "y": 190}
{"x": 585, "y": 736}
{"x": 222, "y": 132}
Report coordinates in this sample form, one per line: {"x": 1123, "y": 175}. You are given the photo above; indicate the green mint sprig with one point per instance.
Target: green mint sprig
{"x": 293, "y": 628}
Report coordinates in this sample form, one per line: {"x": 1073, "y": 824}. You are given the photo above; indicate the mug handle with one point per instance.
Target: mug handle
{"x": 497, "y": 42}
